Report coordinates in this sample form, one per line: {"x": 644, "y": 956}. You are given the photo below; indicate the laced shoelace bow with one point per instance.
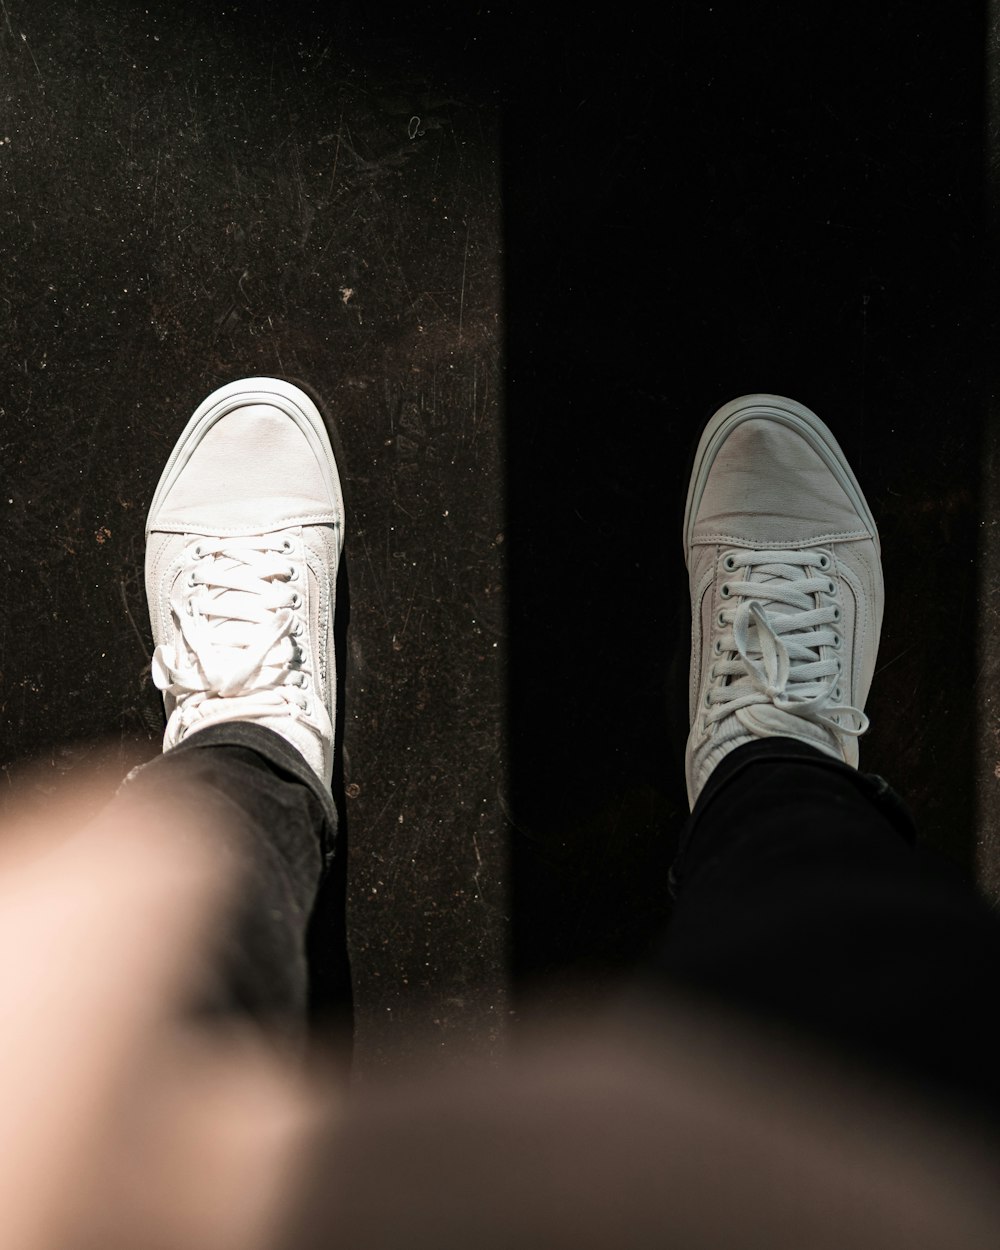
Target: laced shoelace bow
{"x": 235, "y": 604}
{"x": 778, "y": 655}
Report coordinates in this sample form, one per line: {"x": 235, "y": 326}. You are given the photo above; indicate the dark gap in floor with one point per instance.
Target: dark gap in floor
{"x": 703, "y": 202}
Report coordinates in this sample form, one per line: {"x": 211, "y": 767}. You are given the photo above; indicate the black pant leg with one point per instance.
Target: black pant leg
{"x": 802, "y": 900}
{"x": 253, "y": 790}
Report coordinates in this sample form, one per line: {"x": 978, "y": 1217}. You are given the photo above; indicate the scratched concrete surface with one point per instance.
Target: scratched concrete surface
{"x": 194, "y": 193}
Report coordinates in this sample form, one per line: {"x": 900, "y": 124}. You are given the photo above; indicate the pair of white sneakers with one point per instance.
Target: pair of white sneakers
{"x": 246, "y": 530}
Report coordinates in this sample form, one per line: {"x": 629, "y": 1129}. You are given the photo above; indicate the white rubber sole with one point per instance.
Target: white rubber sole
{"x": 788, "y": 412}
{"x": 289, "y": 399}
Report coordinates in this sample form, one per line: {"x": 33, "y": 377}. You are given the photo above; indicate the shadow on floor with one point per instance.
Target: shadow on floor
{"x": 722, "y": 200}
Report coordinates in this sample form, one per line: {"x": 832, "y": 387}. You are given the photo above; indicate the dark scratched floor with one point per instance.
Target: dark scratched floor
{"x": 523, "y": 260}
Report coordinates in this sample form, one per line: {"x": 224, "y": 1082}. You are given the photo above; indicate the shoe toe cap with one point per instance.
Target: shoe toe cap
{"x": 768, "y": 486}
{"x": 253, "y": 469}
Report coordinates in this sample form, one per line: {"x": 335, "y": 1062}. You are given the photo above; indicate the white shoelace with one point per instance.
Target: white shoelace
{"x": 235, "y": 652}
{"x": 778, "y": 655}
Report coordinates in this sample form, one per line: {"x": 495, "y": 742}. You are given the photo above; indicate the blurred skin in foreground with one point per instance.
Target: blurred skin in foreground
{"x": 125, "y": 1122}
{"x": 130, "y": 1122}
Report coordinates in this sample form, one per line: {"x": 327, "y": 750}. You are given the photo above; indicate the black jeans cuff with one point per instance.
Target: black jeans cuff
{"x": 790, "y": 750}
{"x": 279, "y": 753}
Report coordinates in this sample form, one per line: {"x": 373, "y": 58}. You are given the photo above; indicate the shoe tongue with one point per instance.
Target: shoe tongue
{"x": 237, "y": 618}
{"x": 761, "y": 576}
{"x": 760, "y": 572}
{"x": 233, "y": 615}
{"x": 772, "y": 609}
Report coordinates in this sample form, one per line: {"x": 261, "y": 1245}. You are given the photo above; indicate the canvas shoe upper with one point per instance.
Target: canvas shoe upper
{"x": 243, "y": 541}
{"x": 787, "y": 594}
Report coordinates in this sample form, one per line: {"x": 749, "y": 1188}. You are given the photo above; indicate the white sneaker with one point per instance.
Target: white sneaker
{"x": 786, "y": 583}
{"x": 243, "y": 540}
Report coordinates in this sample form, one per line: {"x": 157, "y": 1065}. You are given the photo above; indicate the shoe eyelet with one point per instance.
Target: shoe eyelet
{"x": 296, "y": 600}
{"x": 837, "y": 693}
{"x": 708, "y": 698}
{"x": 837, "y": 643}
{"x": 831, "y": 588}
{"x": 192, "y": 579}
{"x": 824, "y": 562}
{"x": 729, "y": 563}
{"x": 720, "y": 620}
{"x": 297, "y": 629}
{"x": 836, "y": 613}
{"x": 287, "y": 546}
{"x": 293, "y": 573}
{"x": 197, "y": 552}
{"x": 718, "y": 646}
{"x": 725, "y": 592}
{"x": 840, "y": 665}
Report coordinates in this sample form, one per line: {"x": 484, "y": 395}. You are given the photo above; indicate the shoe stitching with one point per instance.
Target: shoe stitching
{"x": 737, "y": 540}
{"x": 860, "y": 614}
{"x": 700, "y": 640}
{"x": 318, "y": 568}
{"x": 331, "y": 518}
